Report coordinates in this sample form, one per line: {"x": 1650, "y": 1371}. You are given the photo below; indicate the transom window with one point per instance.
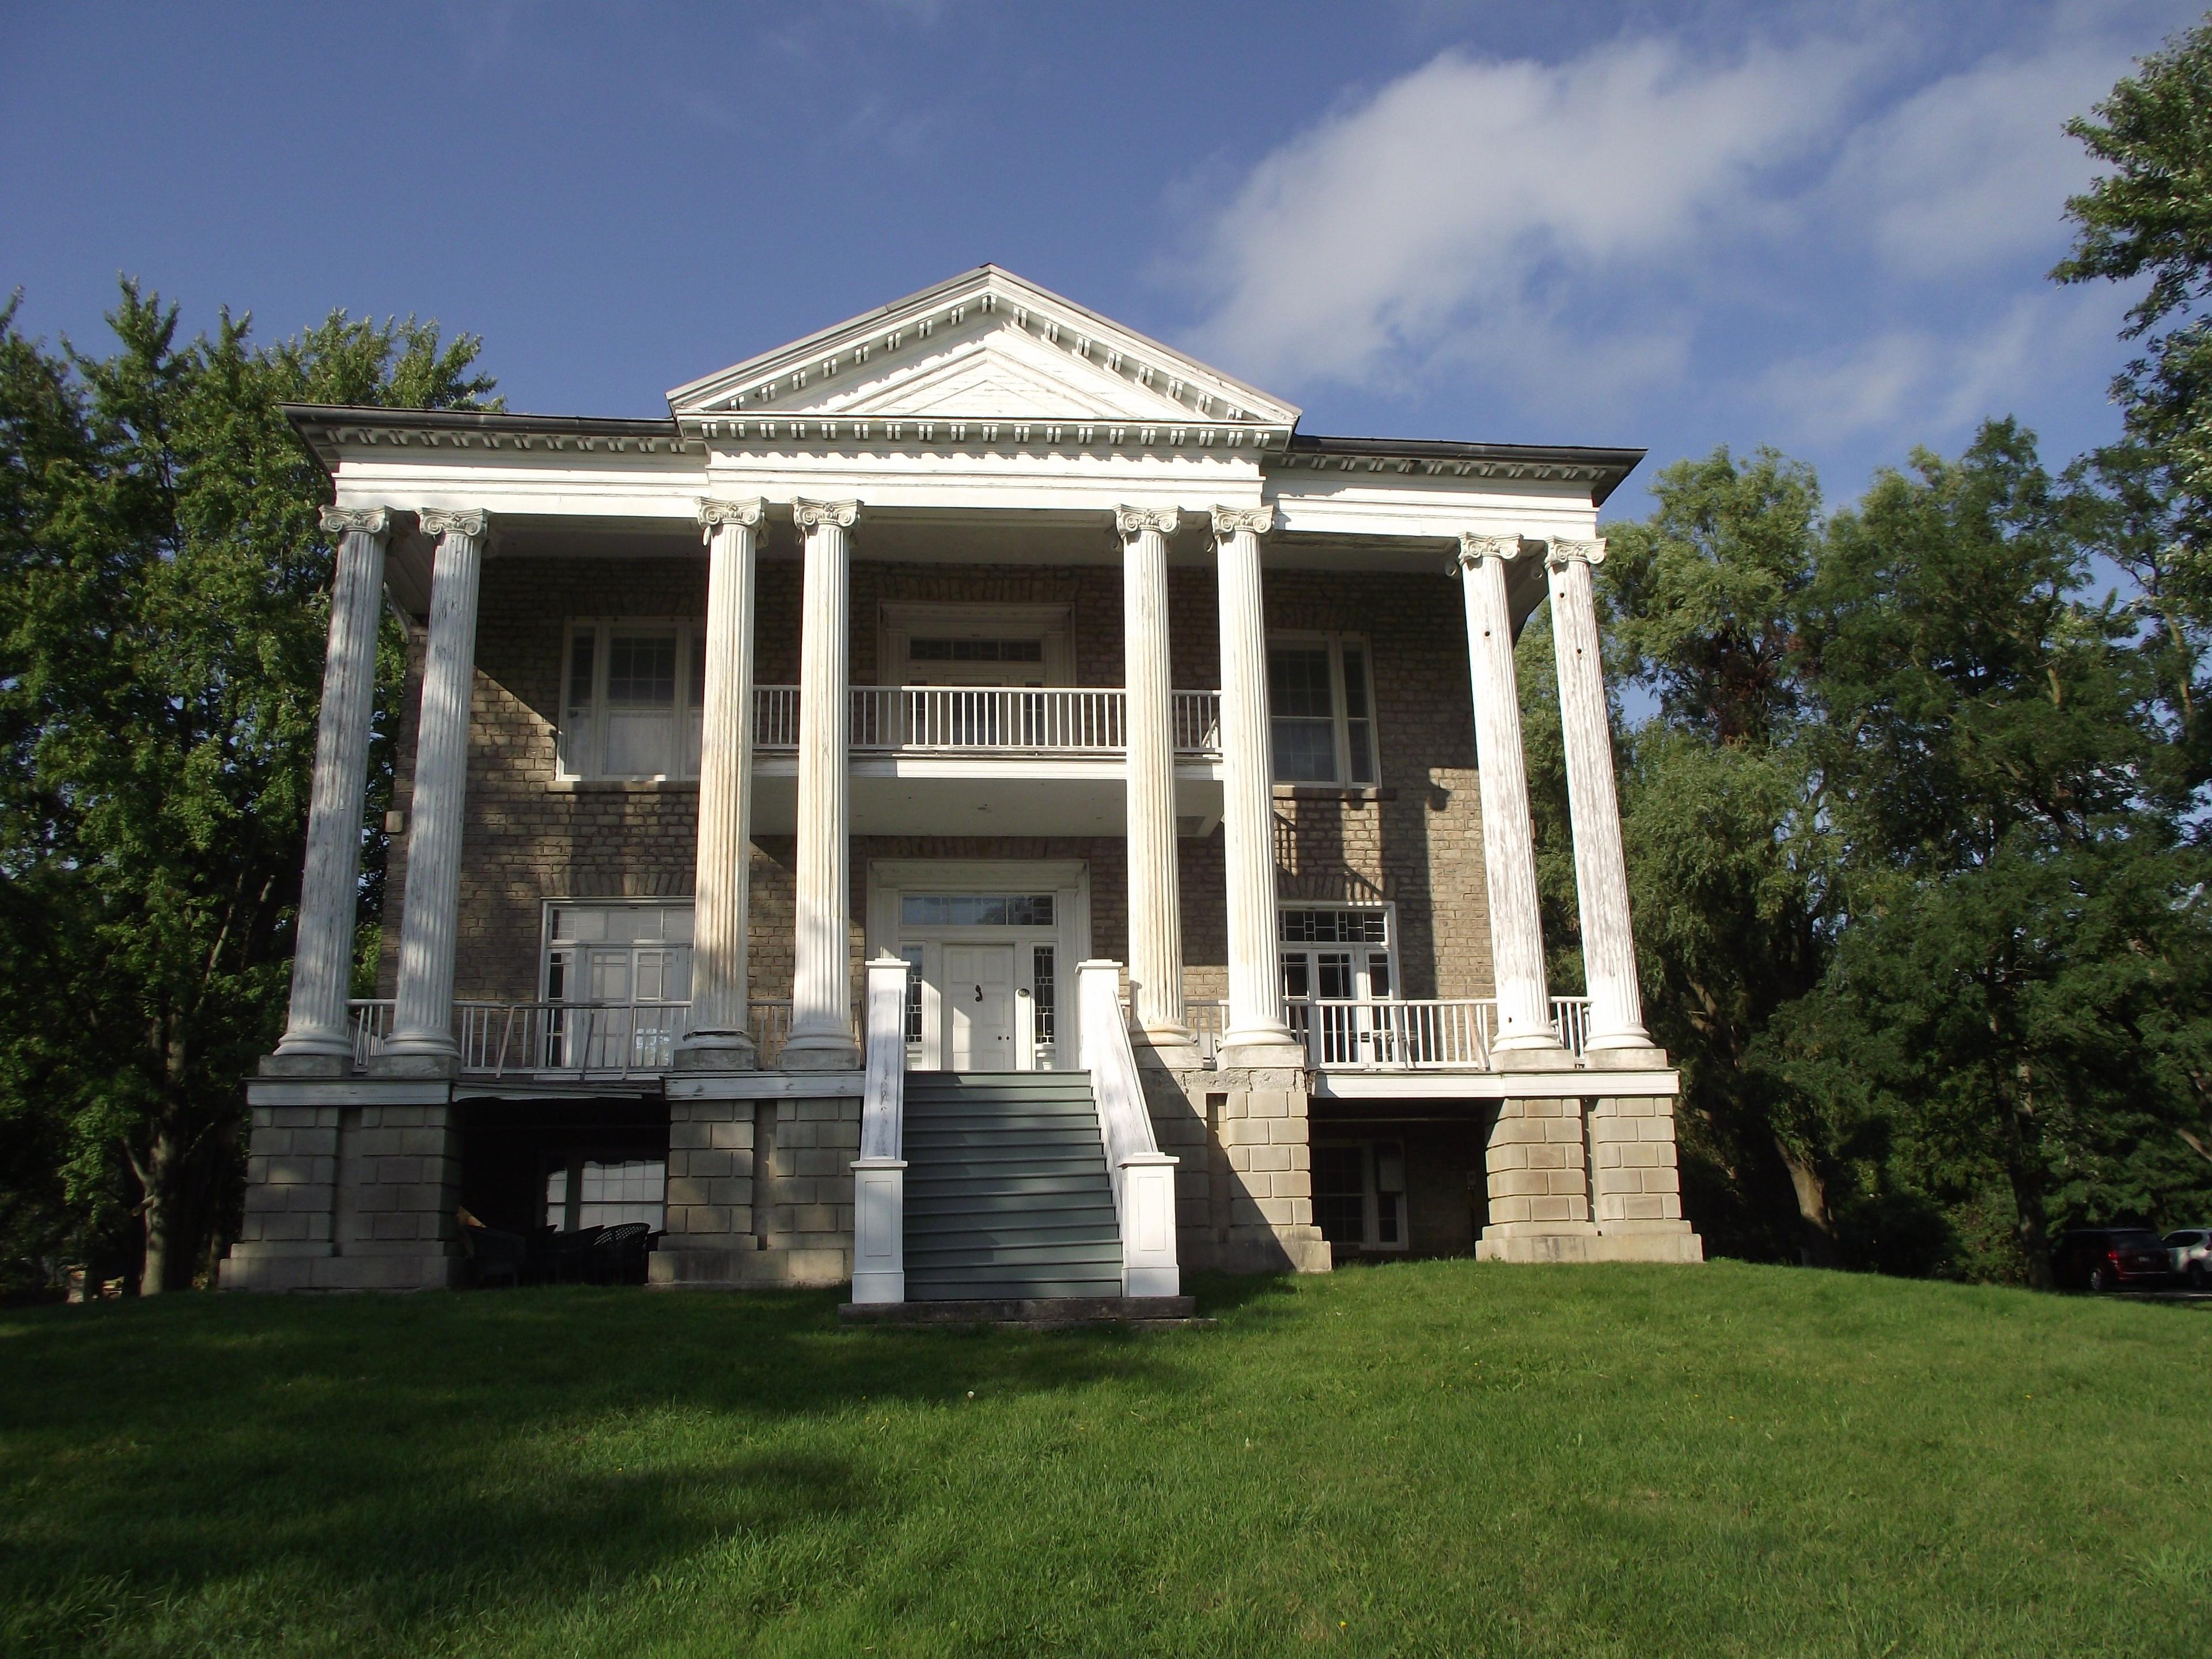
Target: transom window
{"x": 630, "y": 706}
{"x": 976, "y": 909}
{"x": 1321, "y": 709}
{"x": 975, "y": 651}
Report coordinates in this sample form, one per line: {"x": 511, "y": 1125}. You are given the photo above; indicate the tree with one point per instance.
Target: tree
{"x": 163, "y": 607}
{"x": 2151, "y": 215}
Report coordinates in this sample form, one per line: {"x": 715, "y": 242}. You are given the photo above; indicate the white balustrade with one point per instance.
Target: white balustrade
{"x": 1143, "y": 1176}
{"x": 618, "y": 1039}
{"x": 1414, "y": 1034}
{"x": 966, "y": 719}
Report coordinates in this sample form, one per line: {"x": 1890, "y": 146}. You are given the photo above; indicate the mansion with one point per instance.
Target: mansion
{"x": 975, "y": 805}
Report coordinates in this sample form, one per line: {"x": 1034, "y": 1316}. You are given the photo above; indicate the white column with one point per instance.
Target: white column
{"x": 720, "y": 964}
{"x": 1600, "y": 870}
{"x": 1256, "y": 1034}
{"x": 1509, "y": 847}
{"x": 822, "y": 985}
{"x": 1155, "y": 915}
{"x": 422, "y": 1024}
{"x": 315, "y": 1037}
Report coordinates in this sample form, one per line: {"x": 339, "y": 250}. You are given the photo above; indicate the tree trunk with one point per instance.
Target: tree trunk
{"x": 160, "y": 1208}
{"x": 1816, "y": 1232}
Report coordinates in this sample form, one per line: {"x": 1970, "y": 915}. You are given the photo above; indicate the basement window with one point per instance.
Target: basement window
{"x": 1359, "y": 1193}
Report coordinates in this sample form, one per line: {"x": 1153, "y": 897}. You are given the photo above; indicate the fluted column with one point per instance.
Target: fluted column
{"x": 316, "y": 1040}
{"x": 821, "y": 987}
{"x": 1256, "y": 1034}
{"x": 422, "y": 1039}
{"x": 719, "y": 1040}
{"x": 1525, "y": 1036}
{"x": 1601, "y": 869}
{"x": 1154, "y": 916}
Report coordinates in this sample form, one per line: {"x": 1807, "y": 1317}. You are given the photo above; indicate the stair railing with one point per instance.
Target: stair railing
{"x": 1143, "y": 1176}
{"x": 879, "y": 1172}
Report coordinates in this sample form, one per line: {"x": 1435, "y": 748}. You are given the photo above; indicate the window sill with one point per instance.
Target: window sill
{"x": 621, "y": 786}
{"x": 1356, "y": 792}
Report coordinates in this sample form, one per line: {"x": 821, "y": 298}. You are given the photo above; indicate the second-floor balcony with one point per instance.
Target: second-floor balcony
{"x": 1010, "y": 721}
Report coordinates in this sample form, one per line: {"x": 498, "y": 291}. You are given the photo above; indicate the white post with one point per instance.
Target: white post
{"x": 1256, "y": 1034}
{"x": 316, "y": 1040}
{"x": 1143, "y": 1176}
{"x": 1155, "y": 916}
{"x": 822, "y": 992}
{"x": 1600, "y": 868}
{"x": 421, "y": 1040}
{"x": 1509, "y": 847}
{"x": 879, "y": 1172}
{"x": 719, "y": 1040}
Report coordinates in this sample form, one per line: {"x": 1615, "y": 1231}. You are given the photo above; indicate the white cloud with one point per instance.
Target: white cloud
{"x": 1939, "y": 385}
{"x": 1639, "y": 213}
{"x": 1460, "y": 198}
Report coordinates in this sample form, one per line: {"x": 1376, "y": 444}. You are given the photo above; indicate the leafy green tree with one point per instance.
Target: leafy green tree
{"x": 163, "y": 609}
{"x": 2150, "y": 215}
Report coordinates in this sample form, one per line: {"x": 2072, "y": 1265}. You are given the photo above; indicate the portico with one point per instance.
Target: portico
{"x": 959, "y": 491}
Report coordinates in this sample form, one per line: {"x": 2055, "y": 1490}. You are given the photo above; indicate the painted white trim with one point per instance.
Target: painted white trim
{"x": 1470, "y": 1086}
{"x": 899, "y": 620}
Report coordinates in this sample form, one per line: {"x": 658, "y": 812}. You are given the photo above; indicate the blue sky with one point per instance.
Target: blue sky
{"x": 1822, "y": 226}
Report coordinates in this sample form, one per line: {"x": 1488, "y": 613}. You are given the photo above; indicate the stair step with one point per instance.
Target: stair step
{"x": 1075, "y": 1226}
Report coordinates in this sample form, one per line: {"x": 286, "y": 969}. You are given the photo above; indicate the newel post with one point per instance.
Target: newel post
{"x": 879, "y": 1172}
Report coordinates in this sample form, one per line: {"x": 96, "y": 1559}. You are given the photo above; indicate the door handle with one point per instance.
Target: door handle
{"x": 979, "y": 993}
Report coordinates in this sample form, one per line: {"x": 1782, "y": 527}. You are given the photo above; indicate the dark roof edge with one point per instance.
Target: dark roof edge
{"x": 1612, "y": 465}
{"x": 303, "y": 416}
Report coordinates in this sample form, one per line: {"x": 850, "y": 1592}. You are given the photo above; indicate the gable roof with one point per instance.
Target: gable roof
{"x": 985, "y": 346}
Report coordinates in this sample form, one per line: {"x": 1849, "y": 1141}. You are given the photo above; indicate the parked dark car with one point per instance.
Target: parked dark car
{"x": 2110, "y": 1258}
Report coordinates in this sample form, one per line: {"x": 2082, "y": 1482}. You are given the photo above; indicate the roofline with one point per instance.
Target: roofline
{"x": 304, "y": 416}
{"x": 1611, "y": 466}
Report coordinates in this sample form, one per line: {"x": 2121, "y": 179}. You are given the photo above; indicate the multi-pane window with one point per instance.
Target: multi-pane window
{"x": 1321, "y": 709}
{"x": 1359, "y": 1193}
{"x": 1044, "y": 995}
{"x": 632, "y": 965}
{"x": 588, "y": 1192}
{"x": 1336, "y": 952}
{"x": 632, "y": 707}
{"x": 976, "y": 909}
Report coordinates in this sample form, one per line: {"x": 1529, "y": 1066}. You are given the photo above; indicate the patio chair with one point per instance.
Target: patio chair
{"x": 617, "y": 1254}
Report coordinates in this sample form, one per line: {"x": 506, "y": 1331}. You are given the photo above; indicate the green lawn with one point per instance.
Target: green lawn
{"x": 1434, "y": 1458}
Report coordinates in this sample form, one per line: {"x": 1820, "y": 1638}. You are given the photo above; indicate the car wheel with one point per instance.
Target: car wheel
{"x": 2196, "y": 1275}
{"x": 2100, "y": 1278}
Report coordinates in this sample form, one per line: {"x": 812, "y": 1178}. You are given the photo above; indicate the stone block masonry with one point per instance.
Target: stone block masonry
{"x": 1241, "y": 1138}
{"x": 759, "y": 1192}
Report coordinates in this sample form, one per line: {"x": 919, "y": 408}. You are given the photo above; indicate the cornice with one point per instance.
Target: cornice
{"x": 327, "y": 428}
{"x": 970, "y": 434}
{"x": 1601, "y": 469}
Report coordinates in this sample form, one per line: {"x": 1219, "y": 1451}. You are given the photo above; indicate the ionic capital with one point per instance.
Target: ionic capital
{"x": 1132, "y": 522}
{"x": 812, "y": 514}
{"x": 468, "y": 522}
{"x": 1473, "y": 550}
{"x": 1254, "y": 520}
{"x": 347, "y": 521}
{"x": 713, "y": 513}
{"x": 1590, "y": 552}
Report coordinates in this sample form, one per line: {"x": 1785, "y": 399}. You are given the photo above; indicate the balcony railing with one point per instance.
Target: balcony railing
{"x": 612, "y": 1039}
{"x": 1434, "y": 1034}
{"x": 956, "y": 720}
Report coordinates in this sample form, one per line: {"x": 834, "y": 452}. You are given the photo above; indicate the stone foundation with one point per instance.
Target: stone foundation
{"x": 1245, "y": 1175}
{"x": 760, "y": 1191}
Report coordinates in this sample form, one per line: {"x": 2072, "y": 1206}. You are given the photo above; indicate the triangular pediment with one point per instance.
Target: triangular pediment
{"x": 985, "y": 346}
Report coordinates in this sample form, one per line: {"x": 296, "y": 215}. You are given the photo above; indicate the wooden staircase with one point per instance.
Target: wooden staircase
{"x": 1007, "y": 1196}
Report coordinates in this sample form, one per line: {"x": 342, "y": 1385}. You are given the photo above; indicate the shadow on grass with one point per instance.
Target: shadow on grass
{"x": 405, "y": 1453}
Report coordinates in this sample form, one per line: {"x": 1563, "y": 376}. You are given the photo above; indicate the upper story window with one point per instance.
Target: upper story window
{"x": 1320, "y": 708}
{"x": 633, "y": 690}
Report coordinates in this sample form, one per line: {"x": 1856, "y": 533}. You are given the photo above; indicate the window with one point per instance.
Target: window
{"x": 615, "y": 955}
{"x": 606, "y": 1194}
{"x": 976, "y": 909}
{"x": 1044, "y": 995}
{"x": 1321, "y": 710}
{"x": 1359, "y": 1193}
{"x": 632, "y": 708}
{"x": 914, "y": 957}
{"x": 1336, "y": 955}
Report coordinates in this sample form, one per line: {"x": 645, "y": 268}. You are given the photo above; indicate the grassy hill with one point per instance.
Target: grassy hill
{"x": 1434, "y": 1458}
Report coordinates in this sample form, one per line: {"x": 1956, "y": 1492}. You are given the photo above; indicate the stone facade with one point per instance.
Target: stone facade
{"x": 760, "y": 1191}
